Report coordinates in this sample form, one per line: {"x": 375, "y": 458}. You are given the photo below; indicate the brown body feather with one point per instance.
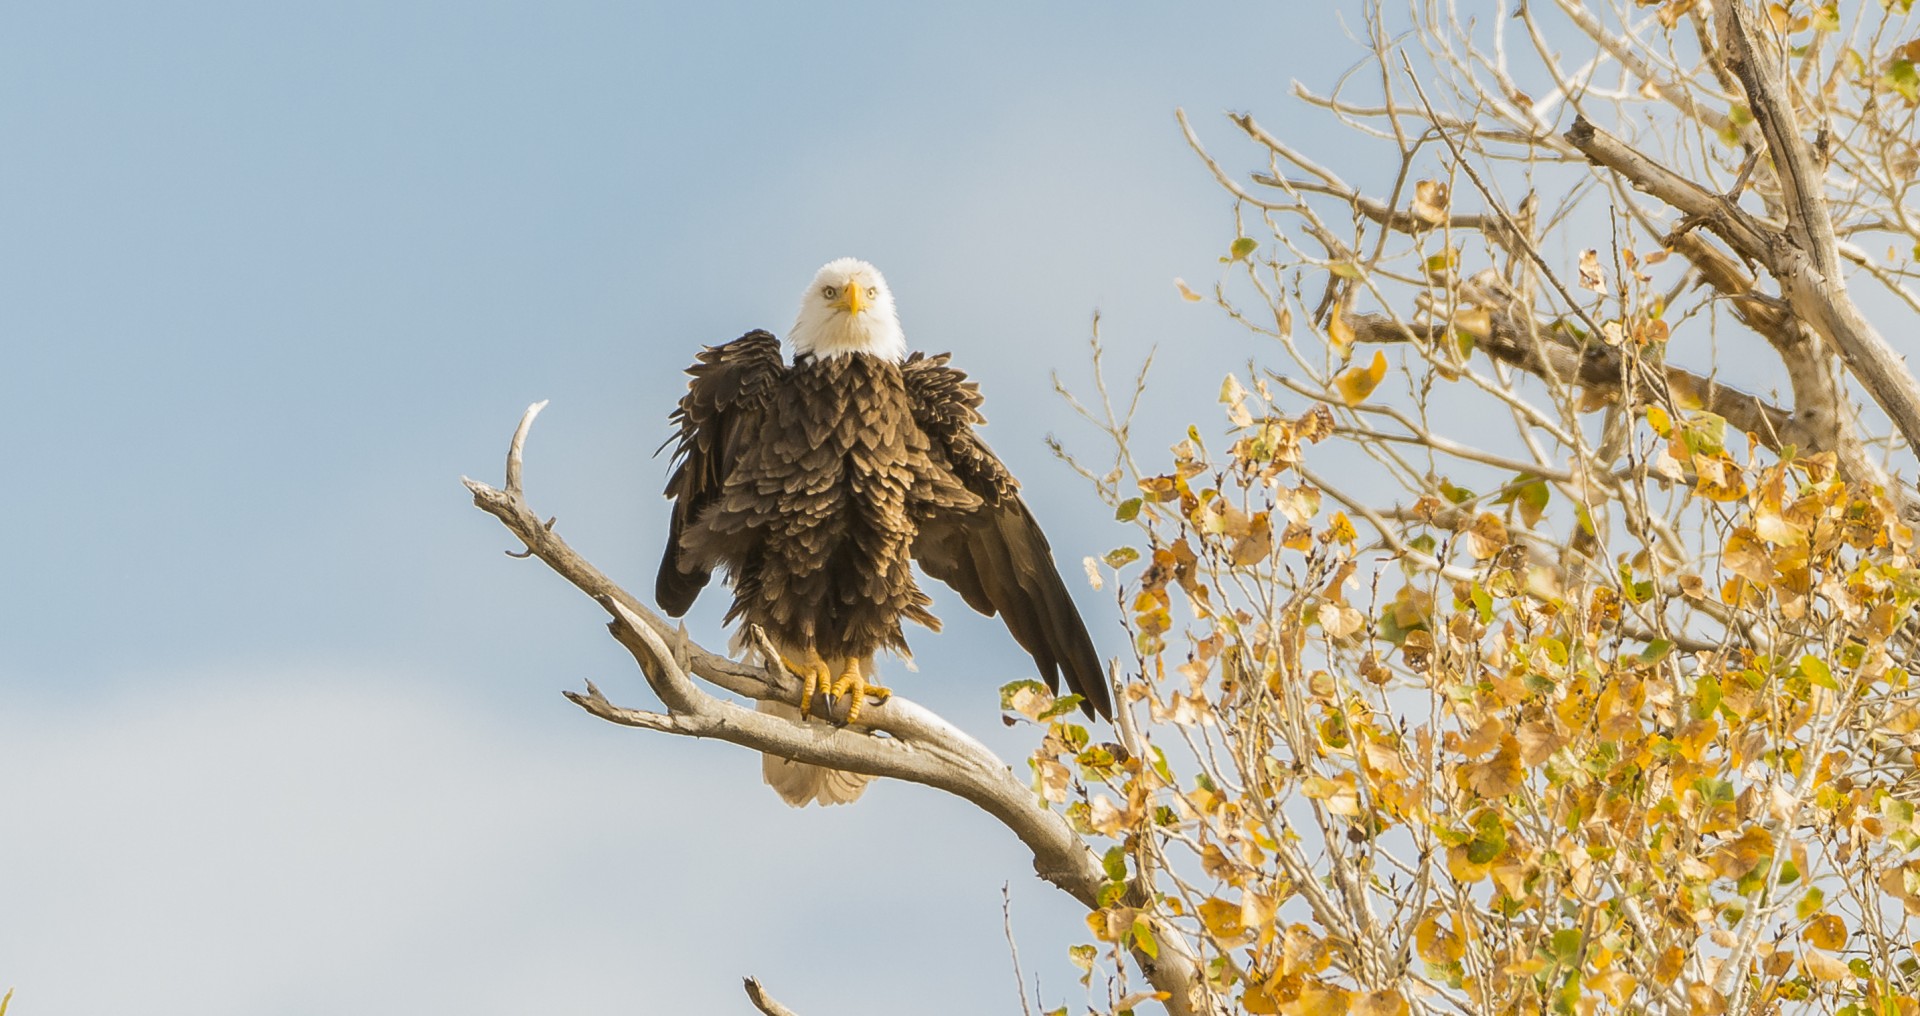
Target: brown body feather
{"x": 816, "y": 486}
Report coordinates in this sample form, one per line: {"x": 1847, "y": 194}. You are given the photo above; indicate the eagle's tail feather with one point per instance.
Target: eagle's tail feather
{"x": 800, "y": 784}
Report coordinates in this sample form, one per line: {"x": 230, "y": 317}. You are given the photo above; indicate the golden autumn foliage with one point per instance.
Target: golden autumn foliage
{"x": 1607, "y": 705}
{"x": 1549, "y": 801}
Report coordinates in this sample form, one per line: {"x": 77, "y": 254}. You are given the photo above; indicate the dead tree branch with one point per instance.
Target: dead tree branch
{"x": 763, "y": 1001}
{"x": 920, "y": 747}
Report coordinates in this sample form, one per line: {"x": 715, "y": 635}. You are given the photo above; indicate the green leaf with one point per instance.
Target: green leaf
{"x": 1896, "y": 813}
{"x": 1243, "y": 246}
{"x": 1482, "y": 604}
{"x": 1902, "y": 78}
{"x": 1705, "y": 433}
{"x": 1810, "y": 903}
{"x": 1082, "y": 957}
{"x": 1457, "y": 495}
{"x": 1715, "y": 792}
{"x": 1656, "y": 650}
{"x": 1115, "y": 862}
{"x": 1585, "y": 519}
{"x": 1120, "y": 557}
{"x": 1012, "y": 688}
{"x": 1128, "y": 511}
{"x": 1566, "y": 946}
{"x": 1489, "y": 840}
{"x": 1143, "y": 939}
{"x": 1815, "y": 670}
{"x": 1061, "y": 706}
{"x": 1097, "y": 763}
{"x": 1345, "y": 270}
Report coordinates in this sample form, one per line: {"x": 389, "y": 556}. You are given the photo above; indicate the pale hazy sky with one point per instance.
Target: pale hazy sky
{"x": 280, "y": 727}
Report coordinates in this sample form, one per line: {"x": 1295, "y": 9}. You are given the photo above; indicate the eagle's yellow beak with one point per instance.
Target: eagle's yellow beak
{"x": 852, "y": 300}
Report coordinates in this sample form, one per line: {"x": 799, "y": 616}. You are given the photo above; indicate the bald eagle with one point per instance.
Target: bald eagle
{"x": 817, "y": 484}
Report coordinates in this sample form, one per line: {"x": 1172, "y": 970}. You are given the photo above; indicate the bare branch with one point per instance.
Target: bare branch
{"x": 763, "y": 1001}
{"x": 1817, "y": 298}
{"x": 921, "y": 747}
{"x": 1596, "y": 367}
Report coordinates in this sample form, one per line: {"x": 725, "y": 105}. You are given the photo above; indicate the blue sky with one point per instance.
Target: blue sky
{"x": 280, "y": 728}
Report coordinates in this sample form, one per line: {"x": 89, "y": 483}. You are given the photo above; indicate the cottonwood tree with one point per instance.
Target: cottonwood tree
{"x": 1530, "y": 628}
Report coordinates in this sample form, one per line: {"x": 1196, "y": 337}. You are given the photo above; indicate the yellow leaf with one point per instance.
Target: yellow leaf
{"x": 1339, "y": 620}
{"x": 1314, "y": 425}
{"x": 1482, "y": 739}
{"x": 1538, "y": 740}
{"x": 1590, "y": 276}
{"x": 1824, "y": 967}
{"x": 1340, "y": 528}
{"x": 1320, "y": 999}
{"x": 1430, "y": 202}
{"x": 1257, "y": 544}
{"x": 1487, "y": 537}
{"x": 1826, "y": 931}
{"x": 1111, "y": 924}
{"x": 1901, "y": 882}
{"x": 1462, "y": 868}
{"x": 1257, "y": 909}
{"x": 1658, "y": 419}
{"x": 1355, "y": 384}
{"x": 1380, "y": 1003}
{"x": 1340, "y": 793}
{"x": 1615, "y": 984}
{"x": 1475, "y": 321}
{"x": 1383, "y": 761}
{"x": 1720, "y": 478}
{"x": 1671, "y": 962}
{"x": 1222, "y": 921}
{"x": 1499, "y": 775}
{"x": 1185, "y": 293}
{"x": 1339, "y": 333}
{"x": 1436, "y": 944}
{"x": 1735, "y": 858}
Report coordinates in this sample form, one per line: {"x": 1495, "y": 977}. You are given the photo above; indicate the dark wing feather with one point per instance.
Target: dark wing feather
{"x": 994, "y": 555}
{"x": 720, "y": 412}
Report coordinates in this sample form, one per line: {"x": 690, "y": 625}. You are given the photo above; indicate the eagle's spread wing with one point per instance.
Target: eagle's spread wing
{"x": 720, "y": 413}
{"x": 995, "y": 555}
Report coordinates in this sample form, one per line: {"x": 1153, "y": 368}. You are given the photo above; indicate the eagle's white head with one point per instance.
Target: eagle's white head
{"x": 848, "y": 309}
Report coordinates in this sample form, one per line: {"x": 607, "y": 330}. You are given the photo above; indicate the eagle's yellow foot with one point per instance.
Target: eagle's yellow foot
{"x": 816, "y": 673}
{"x": 856, "y": 683}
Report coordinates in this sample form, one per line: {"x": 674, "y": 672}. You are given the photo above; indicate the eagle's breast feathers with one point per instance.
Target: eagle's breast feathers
{"x": 818, "y": 484}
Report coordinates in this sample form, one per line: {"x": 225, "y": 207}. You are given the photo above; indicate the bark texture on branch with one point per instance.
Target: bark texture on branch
{"x": 1815, "y": 296}
{"x": 920, "y": 746}
{"x": 1595, "y": 367}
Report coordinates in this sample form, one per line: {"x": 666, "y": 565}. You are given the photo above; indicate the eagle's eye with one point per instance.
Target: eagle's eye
{"x": 829, "y": 292}
{"x": 873, "y": 292}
